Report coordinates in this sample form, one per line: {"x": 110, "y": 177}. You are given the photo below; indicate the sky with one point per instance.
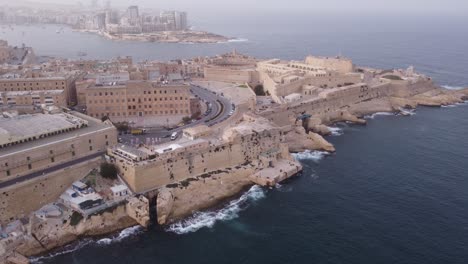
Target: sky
{"x": 208, "y": 7}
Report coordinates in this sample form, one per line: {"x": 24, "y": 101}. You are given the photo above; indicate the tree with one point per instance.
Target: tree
{"x": 259, "y": 91}
{"x": 121, "y": 127}
{"x": 186, "y": 119}
{"x": 109, "y": 171}
{"x": 104, "y": 118}
{"x": 75, "y": 218}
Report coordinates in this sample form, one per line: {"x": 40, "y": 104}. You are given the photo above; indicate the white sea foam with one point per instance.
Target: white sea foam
{"x": 65, "y": 250}
{"x": 238, "y": 40}
{"x": 208, "y": 219}
{"x": 378, "y": 114}
{"x": 76, "y": 246}
{"x": 336, "y": 131}
{"x": 449, "y": 87}
{"x": 310, "y": 155}
{"x": 134, "y": 230}
{"x": 404, "y": 111}
{"x": 449, "y": 106}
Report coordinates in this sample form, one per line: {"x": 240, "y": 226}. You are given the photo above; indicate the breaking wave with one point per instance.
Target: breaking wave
{"x": 135, "y": 230}
{"x": 65, "y": 250}
{"x": 378, "y": 114}
{"x": 310, "y": 155}
{"x": 449, "y": 87}
{"x": 238, "y": 40}
{"x": 404, "y": 111}
{"x": 336, "y": 131}
{"x": 208, "y": 219}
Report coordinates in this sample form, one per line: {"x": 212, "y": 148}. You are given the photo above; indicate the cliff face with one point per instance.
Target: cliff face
{"x": 350, "y": 105}
{"x": 48, "y": 235}
{"x": 177, "y": 202}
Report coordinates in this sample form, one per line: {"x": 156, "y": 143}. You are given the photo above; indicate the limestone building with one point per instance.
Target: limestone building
{"x": 282, "y": 79}
{"x": 36, "y": 142}
{"x": 253, "y": 142}
{"x": 139, "y": 101}
{"x": 40, "y": 82}
{"x": 231, "y": 67}
{"x": 30, "y": 99}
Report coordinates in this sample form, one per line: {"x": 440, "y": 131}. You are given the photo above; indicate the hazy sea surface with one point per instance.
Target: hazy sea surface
{"x": 434, "y": 45}
{"x": 395, "y": 191}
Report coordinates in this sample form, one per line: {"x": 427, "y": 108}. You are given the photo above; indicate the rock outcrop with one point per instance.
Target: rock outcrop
{"x": 320, "y": 143}
{"x": 298, "y": 141}
{"x": 138, "y": 209}
{"x": 196, "y": 194}
{"x": 48, "y": 235}
{"x": 164, "y": 203}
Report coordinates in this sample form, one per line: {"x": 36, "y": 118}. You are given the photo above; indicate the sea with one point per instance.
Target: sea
{"x": 394, "y": 192}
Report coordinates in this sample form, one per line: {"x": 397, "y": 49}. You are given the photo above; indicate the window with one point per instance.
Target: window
{"x": 29, "y": 166}
{"x": 52, "y": 159}
{"x": 90, "y": 148}
{"x": 73, "y": 153}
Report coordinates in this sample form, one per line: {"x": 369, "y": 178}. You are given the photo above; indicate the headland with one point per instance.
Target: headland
{"x": 116, "y": 144}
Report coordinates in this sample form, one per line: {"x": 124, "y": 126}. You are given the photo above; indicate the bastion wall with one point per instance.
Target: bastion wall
{"x": 21, "y": 199}
{"x": 178, "y": 166}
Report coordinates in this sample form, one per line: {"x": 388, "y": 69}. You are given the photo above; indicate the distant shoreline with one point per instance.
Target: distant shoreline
{"x": 187, "y": 36}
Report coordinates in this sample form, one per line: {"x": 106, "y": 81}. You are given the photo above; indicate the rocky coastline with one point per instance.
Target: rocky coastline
{"x": 174, "y": 204}
{"x": 187, "y": 36}
{"x": 310, "y": 135}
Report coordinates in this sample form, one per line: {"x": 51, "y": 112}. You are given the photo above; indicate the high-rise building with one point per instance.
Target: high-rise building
{"x": 180, "y": 20}
{"x": 133, "y": 15}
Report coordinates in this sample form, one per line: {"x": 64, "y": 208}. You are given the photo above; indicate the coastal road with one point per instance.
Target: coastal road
{"x": 50, "y": 170}
{"x": 218, "y": 111}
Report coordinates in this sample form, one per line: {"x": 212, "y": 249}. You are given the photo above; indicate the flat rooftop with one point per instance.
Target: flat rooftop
{"x": 27, "y": 126}
{"x": 17, "y": 93}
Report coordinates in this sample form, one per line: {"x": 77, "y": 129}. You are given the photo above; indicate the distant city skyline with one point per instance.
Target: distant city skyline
{"x": 312, "y": 6}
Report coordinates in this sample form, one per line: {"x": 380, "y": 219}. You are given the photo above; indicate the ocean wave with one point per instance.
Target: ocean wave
{"x": 407, "y": 112}
{"x": 238, "y": 40}
{"x": 336, "y": 131}
{"x": 378, "y": 114}
{"x": 310, "y": 155}
{"x": 449, "y": 87}
{"x": 131, "y": 231}
{"x": 65, "y": 250}
{"x": 208, "y": 219}
{"x": 135, "y": 230}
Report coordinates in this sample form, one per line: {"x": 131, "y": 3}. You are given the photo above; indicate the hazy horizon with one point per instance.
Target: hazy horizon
{"x": 314, "y": 7}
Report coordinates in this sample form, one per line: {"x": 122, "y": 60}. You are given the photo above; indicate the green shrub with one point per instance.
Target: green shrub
{"x": 393, "y": 77}
{"x": 75, "y": 218}
{"x": 109, "y": 171}
{"x": 259, "y": 91}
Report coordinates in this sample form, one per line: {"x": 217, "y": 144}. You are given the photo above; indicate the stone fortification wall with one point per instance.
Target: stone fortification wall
{"x": 224, "y": 74}
{"x": 341, "y": 99}
{"x": 337, "y": 100}
{"x": 409, "y": 88}
{"x": 177, "y": 166}
{"x": 339, "y": 64}
{"x": 21, "y": 199}
{"x": 55, "y": 153}
{"x": 331, "y": 79}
